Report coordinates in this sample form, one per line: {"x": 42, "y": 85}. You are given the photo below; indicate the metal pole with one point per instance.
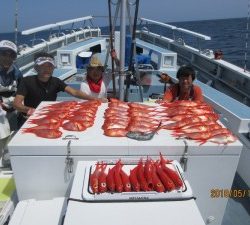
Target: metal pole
{"x": 247, "y": 30}
{"x": 112, "y": 47}
{"x": 16, "y": 21}
{"x": 122, "y": 48}
{"x": 132, "y": 53}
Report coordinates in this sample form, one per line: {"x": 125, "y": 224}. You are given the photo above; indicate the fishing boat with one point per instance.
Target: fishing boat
{"x": 50, "y": 174}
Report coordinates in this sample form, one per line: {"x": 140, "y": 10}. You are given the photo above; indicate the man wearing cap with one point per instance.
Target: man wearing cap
{"x": 97, "y": 81}
{"x": 43, "y": 87}
{"x": 10, "y": 76}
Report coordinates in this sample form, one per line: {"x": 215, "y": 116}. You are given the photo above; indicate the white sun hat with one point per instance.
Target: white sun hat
{"x": 5, "y": 45}
{"x": 41, "y": 60}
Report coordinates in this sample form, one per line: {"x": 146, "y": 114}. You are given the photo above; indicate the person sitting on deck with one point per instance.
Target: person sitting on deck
{"x": 43, "y": 87}
{"x": 10, "y": 77}
{"x": 97, "y": 81}
{"x": 185, "y": 89}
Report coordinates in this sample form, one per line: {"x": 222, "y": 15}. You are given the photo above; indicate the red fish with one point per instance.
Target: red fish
{"x": 111, "y": 180}
{"x": 102, "y": 179}
{"x": 44, "y": 120}
{"x": 94, "y": 178}
{"x": 157, "y": 184}
{"x": 46, "y": 126}
{"x": 165, "y": 179}
{"x": 74, "y": 126}
{"x": 44, "y": 133}
{"x": 117, "y": 177}
{"x": 141, "y": 177}
{"x": 148, "y": 172}
{"x": 133, "y": 180}
{"x": 125, "y": 181}
{"x": 115, "y": 132}
{"x": 171, "y": 173}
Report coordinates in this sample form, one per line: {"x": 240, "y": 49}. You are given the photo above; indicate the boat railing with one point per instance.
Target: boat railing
{"x": 55, "y": 36}
{"x": 177, "y": 32}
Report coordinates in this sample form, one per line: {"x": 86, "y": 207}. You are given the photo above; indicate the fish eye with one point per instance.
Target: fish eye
{"x": 103, "y": 184}
{"x": 128, "y": 185}
{"x": 95, "y": 186}
{"x": 159, "y": 184}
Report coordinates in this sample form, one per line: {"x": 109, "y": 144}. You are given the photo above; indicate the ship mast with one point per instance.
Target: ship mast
{"x": 122, "y": 48}
{"x": 16, "y": 21}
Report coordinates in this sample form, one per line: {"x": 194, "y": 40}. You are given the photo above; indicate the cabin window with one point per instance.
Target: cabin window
{"x": 65, "y": 59}
{"x": 168, "y": 61}
{"x": 96, "y": 49}
{"x": 139, "y": 50}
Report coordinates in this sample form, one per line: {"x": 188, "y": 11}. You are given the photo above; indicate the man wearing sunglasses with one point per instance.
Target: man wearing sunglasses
{"x": 10, "y": 76}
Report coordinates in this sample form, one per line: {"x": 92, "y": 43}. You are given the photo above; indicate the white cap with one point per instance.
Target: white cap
{"x": 41, "y": 60}
{"x": 84, "y": 54}
{"x": 5, "y": 44}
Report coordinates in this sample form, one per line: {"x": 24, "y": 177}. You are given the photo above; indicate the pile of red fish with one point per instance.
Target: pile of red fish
{"x": 148, "y": 176}
{"x": 187, "y": 119}
{"x": 69, "y": 115}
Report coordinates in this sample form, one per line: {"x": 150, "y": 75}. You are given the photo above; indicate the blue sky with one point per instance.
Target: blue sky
{"x": 34, "y": 13}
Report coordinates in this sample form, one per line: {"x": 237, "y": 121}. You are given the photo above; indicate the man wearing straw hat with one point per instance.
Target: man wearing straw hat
{"x": 97, "y": 81}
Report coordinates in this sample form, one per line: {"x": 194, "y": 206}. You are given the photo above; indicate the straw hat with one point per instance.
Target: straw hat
{"x": 95, "y": 62}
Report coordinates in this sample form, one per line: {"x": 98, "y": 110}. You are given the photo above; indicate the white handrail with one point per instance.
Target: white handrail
{"x": 195, "y": 34}
{"x": 159, "y": 23}
{"x": 53, "y": 25}
{"x": 37, "y": 29}
{"x": 62, "y": 23}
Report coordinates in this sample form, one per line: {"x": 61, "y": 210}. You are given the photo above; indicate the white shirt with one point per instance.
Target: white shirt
{"x": 103, "y": 92}
{"x": 4, "y": 125}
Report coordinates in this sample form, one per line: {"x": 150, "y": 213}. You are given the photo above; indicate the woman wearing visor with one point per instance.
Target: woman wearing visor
{"x": 43, "y": 87}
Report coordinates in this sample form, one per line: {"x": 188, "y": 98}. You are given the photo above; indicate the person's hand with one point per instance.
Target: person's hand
{"x": 103, "y": 100}
{"x": 165, "y": 78}
{"x": 113, "y": 54}
{"x": 159, "y": 101}
{"x": 30, "y": 111}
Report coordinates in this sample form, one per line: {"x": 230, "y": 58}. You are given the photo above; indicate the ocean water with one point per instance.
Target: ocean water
{"x": 228, "y": 35}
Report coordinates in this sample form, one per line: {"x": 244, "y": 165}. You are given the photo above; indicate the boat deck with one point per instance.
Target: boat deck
{"x": 238, "y": 209}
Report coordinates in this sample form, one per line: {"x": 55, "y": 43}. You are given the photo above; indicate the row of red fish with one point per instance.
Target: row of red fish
{"x": 69, "y": 115}
{"x": 148, "y": 176}
{"x": 186, "y": 119}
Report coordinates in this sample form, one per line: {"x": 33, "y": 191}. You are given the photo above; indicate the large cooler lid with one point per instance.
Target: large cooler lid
{"x": 136, "y": 213}
{"x": 93, "y": 142}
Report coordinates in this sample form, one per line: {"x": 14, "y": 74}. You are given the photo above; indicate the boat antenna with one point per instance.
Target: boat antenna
{"x": 16, "y": 21}
{"x": 247, "y": 29}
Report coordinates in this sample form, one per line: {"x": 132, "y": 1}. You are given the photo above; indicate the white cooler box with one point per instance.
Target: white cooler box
{"x": 124, "y": 211}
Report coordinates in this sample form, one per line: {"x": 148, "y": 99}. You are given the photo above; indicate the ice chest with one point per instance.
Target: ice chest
{"x": 126, "y": 212}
